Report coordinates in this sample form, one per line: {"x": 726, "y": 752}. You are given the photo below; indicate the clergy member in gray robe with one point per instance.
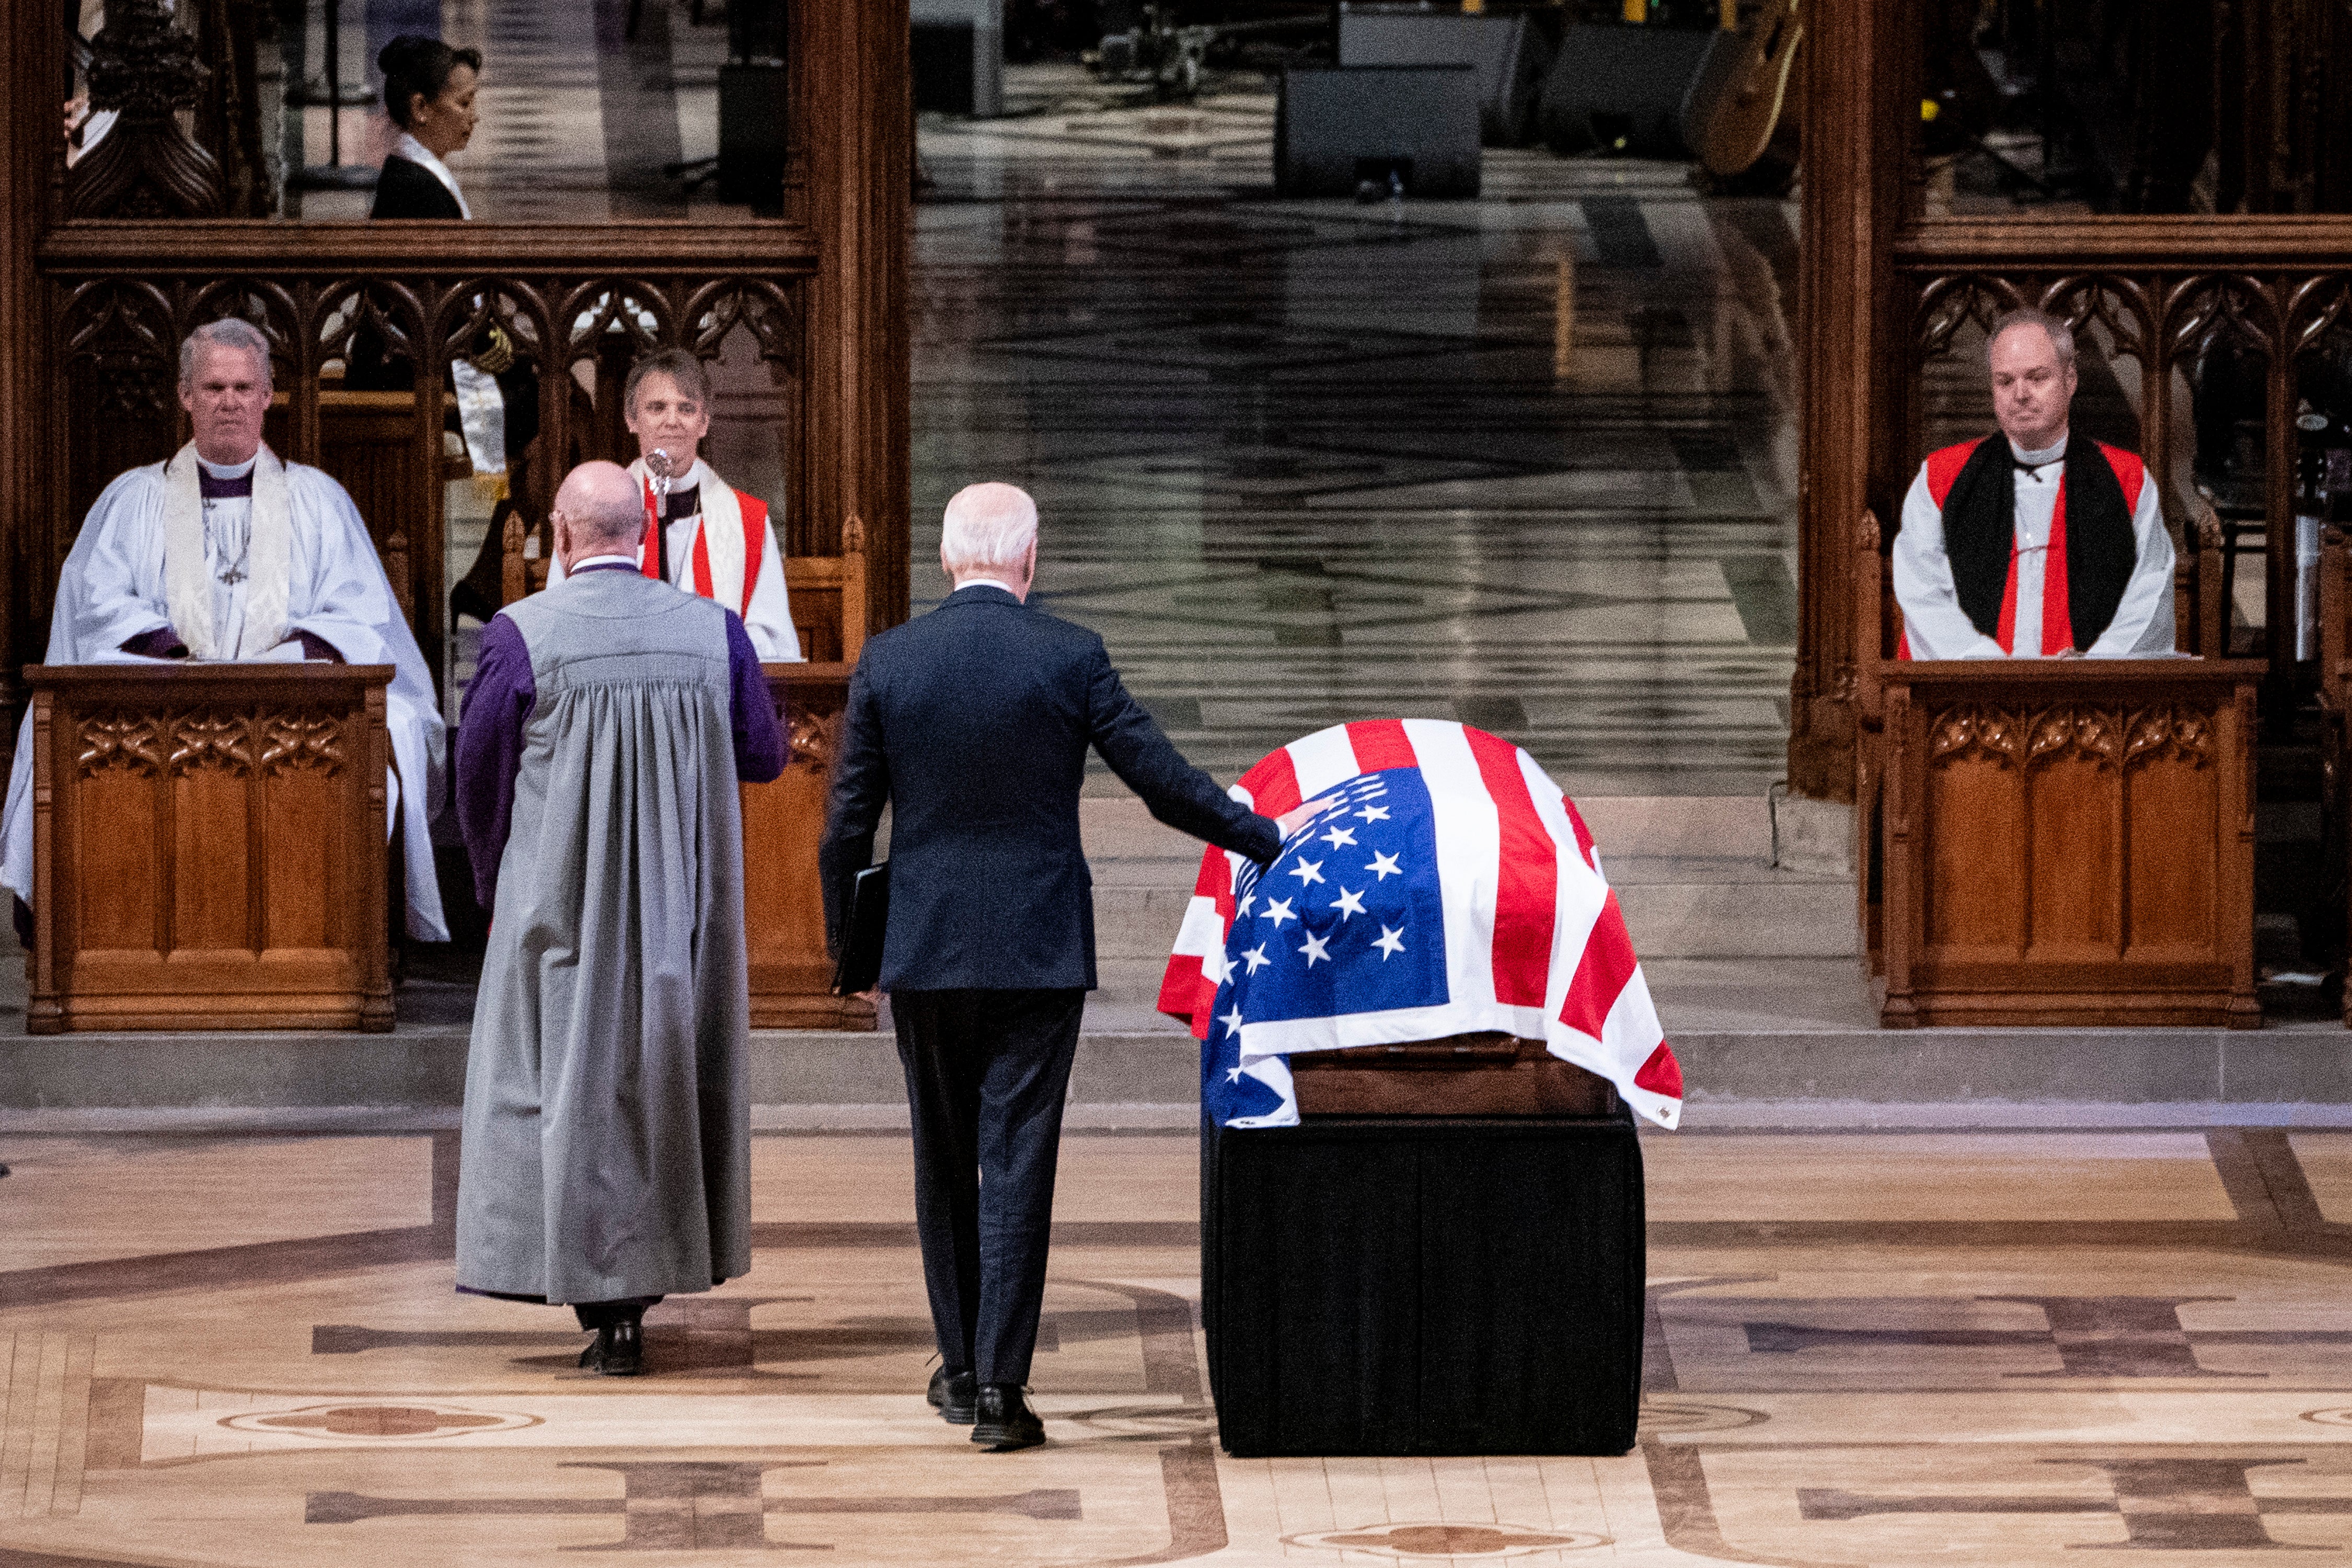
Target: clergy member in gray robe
{"x": 226, "y": 552}
{"x": 608, "y": 1133}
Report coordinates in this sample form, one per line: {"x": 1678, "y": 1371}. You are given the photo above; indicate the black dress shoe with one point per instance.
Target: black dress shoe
{"x": 619, "y": 1350}
{"x": 1005, "y": 1421}
{"x": 955, "y": 1395}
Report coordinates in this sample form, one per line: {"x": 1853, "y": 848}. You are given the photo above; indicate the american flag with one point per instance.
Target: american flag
{"x": 1450, "y": 889}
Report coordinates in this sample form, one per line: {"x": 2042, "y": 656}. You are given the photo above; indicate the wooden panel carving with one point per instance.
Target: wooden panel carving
{"x": 2068, "y": 843}
{"x": 783, "y": 905}
{"x": 209, "y": 848}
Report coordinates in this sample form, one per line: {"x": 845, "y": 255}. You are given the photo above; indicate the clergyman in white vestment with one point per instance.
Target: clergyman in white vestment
{"x": 2033, "y": 543}
{"x": 226, "y": 554}
{"x": 701, "y": 534}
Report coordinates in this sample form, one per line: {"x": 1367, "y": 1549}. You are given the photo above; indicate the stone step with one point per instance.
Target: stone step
{"x": 1695, "y": 876}
{"x": 1675, "y": 907}
{"x": 1772, "y": 1061}
{"x": 1119, "y": 828}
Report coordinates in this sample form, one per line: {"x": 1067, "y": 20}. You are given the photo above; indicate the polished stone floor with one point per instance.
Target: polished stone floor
{"x": 1527, "y": 461}
{"x": 1863, "y": 1349}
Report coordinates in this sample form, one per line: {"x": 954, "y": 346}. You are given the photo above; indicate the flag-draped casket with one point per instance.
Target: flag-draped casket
{"x": 1450, "y": 889}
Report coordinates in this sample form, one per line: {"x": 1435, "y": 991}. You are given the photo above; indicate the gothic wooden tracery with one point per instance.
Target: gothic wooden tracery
{"x": 99, "y": 306}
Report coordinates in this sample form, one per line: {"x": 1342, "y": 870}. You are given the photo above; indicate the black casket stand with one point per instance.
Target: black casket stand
{"x": 1424, "y": 1285}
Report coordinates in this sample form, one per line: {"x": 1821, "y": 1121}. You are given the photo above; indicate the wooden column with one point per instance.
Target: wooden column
{"x": 853, "y": 160}
{"x": 32, "y": 85}
{"x": 1855, "y": 138}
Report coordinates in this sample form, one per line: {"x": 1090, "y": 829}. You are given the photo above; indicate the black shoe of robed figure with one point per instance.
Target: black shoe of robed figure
{"x": 619, "y": 1350}
{"x": 955, "y": 1395}
{"x": 1005, "y": 1422}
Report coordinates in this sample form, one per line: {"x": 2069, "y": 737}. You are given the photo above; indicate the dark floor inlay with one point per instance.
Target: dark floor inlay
{"x": 691, "y": 1506}
{"x": 1620, "y": 232}
{"x": 1501, "y": 715}
{"x": 1173, "y": 712}
{"x": 2168, "y": 1505}
{"x": 1765, "y": 598}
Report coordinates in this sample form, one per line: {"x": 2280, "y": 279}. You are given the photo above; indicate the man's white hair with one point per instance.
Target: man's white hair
{"x": 987, "y": 530}
{"x": 228, "y": 332}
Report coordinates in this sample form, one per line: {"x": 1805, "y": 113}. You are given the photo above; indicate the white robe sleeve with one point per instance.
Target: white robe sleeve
{"x": 1933, "y": 621}
{"x": 341, "y": 594}
{"x": 110, "y": 590}
{"x": 2143, "y": 625}
{"x": 770, "y": 619}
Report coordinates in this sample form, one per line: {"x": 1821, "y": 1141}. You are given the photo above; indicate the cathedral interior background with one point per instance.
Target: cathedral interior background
{"x": 1602, "y": 460}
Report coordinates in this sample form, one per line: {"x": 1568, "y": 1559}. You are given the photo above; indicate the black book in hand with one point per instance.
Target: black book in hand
{"x": 865, "y": 915}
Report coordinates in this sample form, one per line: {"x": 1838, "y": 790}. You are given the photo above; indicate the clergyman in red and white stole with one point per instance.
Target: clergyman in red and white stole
{"x": 701, "y": 533}
{"x": 2030, "y": 544}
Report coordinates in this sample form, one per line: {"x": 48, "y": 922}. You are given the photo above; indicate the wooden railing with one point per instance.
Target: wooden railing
{"x": 574, "y": 306}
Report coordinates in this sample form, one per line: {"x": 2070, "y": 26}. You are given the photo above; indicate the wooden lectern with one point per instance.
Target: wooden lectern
{"x": 2058, "y": 842}
{"x": 2070, "y": 843}
{"x": 209, "y": 848}
{"x": 783, "y": 906}
{"x": 784, "y": 902}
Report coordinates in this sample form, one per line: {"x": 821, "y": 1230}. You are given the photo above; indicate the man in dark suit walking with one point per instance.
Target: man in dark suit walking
{"x": 973, "y": 723}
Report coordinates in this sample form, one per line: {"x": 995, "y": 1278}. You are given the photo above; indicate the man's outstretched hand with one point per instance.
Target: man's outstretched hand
{"x": 1298, "y": 817}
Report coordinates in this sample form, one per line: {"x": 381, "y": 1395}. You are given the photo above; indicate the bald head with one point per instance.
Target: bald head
{"x": 990, "y": 534}
{"x": 598, "y": 512}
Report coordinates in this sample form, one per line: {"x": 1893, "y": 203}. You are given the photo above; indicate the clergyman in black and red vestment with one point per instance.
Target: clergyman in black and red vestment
{"x": 2029, "y": 544}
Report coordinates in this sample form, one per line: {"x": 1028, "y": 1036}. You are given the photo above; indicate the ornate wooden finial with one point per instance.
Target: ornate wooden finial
{"x": 1870, "y": 531}
{"x": 853, "y": 537}
{"x": 147, "y": 166}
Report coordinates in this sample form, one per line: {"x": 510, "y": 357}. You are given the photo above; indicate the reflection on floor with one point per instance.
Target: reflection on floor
{"x": 1976, "y": 1349}
{"x": 1527, "y": 461}
{"x": 1524, "y": 462}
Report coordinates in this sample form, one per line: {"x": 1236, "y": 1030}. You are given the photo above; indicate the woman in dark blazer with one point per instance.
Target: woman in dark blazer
{"x": 428, "y": 89}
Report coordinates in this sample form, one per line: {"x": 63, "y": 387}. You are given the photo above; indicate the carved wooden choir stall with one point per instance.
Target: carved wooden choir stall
{"x": 209, "y": 848}
{"x": 106, "y": 267}
{"x": 783, "y": 907}
{"x": 2071, "y": 843}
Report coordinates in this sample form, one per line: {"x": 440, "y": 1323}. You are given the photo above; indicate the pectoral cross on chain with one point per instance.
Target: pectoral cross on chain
{"x": 232, "y": 573}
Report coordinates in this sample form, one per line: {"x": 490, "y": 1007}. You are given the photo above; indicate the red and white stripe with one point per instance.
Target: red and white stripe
{"x": 1535, "y": 943}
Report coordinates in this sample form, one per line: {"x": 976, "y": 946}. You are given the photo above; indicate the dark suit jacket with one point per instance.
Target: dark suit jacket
{"x": 973, "y": 723}
{"x": 407, "y": 189}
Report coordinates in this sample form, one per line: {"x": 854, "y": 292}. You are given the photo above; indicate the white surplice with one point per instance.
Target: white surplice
{"x": 1935, "y": 625}
{"x": 114, "y": 588}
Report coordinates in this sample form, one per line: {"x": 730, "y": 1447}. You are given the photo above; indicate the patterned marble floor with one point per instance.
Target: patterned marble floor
{"x": 1524, "y": 462}
{"x": 1863, "y": 1349}
{"x": 1527, "y": 461}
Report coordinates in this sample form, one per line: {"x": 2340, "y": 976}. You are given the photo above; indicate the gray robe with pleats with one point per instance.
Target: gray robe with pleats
{"x": 607, "y": 1129}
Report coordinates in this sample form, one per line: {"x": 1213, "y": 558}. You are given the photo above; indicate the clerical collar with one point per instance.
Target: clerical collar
{"x": 417, "y": 152}
{"x": 225, "y": 481}
{"x": 2037, "y": 459}
{"x": 605, "y": 564}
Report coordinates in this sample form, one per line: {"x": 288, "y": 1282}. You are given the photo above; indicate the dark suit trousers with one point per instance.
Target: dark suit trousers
{"x": 986, "y": 1071}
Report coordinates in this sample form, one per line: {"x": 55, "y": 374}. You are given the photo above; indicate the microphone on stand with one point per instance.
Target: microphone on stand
{"x": 659, "y": 464}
